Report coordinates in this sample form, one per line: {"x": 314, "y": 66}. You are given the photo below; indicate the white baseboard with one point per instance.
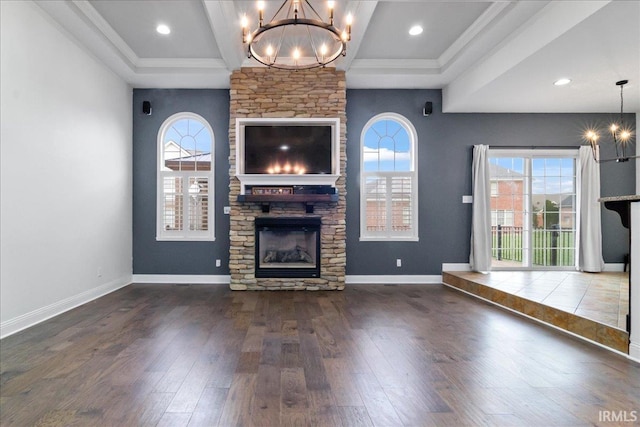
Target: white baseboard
{"x": 634, "y": 351}
{"x": 612, "y": 266}
{"x": 393, "y": 280}
{"x": 225, "y": 280}
{"x": 465, "y": 266}
{"x": 34, "y": 317}
{"x": 199, "y": 279}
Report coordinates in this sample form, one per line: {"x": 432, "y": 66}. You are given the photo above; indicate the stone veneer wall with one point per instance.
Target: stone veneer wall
{"x": 263, "y": 92}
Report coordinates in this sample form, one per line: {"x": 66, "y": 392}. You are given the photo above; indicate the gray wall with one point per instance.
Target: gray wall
{"x": 444, "y": 161}
{"x": 149, "y": 255}
{"x": 445, "y": 151}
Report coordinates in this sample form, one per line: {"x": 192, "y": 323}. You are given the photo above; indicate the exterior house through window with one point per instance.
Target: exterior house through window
{"x": 185, "y": 179}
{"x": 389, "y": 191}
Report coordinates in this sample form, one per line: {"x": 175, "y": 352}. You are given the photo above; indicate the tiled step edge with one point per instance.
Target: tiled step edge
{"x": 600, "y": 333}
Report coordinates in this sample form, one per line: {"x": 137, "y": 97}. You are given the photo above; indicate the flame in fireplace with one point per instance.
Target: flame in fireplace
{"x": 286, "y": 168}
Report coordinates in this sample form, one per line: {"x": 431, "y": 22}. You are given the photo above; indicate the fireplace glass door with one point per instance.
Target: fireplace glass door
{"x": 287, "y": 247}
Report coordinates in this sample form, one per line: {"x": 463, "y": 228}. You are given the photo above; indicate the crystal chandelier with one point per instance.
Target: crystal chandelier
{"x": 621, "y": 135}
{"x": 296, "y": 38}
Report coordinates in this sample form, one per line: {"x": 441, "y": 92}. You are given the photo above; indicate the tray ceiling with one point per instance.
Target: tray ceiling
{"x": 486, "y": 56}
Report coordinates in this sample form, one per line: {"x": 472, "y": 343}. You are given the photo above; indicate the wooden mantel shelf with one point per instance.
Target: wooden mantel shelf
{"x": 307, "y": 199}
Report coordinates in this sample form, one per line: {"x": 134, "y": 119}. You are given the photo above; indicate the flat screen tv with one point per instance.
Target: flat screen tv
{"x": 288, "y": 149}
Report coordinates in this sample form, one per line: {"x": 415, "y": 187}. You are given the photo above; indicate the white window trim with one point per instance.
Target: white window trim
{"x": 186, "y": 234}
{"x": 412, "y": 235}
{"x": 547, "y": 153}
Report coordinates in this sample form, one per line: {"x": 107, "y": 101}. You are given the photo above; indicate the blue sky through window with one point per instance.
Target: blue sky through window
{"x": 190, "y": 134}
{"x": 387, "y": 147}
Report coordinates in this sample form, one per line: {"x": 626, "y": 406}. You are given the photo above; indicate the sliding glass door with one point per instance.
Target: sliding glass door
{"x": 533, "y": 209}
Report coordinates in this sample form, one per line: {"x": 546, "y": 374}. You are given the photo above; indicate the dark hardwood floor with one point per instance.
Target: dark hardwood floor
{"x": 200, "y": 355}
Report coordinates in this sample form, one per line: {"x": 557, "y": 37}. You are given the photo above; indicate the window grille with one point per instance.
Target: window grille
{"x": 389, "y": 196}
{"x": 185, "y": 179}
{"x": 534, "y": 213}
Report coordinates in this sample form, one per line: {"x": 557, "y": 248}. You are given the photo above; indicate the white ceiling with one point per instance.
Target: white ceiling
{"x": 487, "y": 56}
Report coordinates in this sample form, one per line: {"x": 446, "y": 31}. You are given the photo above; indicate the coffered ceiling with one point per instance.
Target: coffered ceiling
{"x": 487, "y": 56}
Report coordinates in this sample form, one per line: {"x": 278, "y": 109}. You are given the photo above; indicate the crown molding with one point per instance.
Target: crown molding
{"x": 553, "y": 20}
{"x": 224, "y": 21}
{"x": 362, "y": 12}
{"x": 106, "y": 30}
{"x": 148, "y": 64}
{"x": 401, "y": 66}
{"x": 455, "y": 49}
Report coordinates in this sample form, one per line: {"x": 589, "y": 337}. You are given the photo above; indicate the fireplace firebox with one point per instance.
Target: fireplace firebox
{"x": 287, "y": 247}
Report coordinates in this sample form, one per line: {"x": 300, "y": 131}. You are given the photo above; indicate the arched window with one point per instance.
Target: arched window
{"x": 389, "y": 183}
{"x": 185, "y": 179}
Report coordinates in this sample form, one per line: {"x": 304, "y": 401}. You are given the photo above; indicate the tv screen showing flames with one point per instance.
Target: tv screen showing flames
{"x": 287, "y": 149}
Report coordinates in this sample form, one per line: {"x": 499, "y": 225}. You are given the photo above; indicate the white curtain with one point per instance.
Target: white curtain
{"x": 590, "y": 231}
{"x": 480, "y": 256}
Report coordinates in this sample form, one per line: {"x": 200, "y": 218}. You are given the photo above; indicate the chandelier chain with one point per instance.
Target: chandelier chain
{"x": 621, "y": 103}
{"x": 313, "y": 10}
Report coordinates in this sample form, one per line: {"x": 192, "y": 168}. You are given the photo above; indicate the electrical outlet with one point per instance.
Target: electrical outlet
{"x": 99, "y": 273}
{"x": 398, "y": 262}
{"x": 218, "y": 263}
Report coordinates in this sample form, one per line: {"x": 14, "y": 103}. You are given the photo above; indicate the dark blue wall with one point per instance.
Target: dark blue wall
{"x": 154, "y": 257}
{"x": 444, "y": 162}
{"x": 444, "y": 157}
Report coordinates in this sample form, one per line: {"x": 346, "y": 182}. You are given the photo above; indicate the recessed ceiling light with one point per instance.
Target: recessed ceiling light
{"x": 415, "y": 30}
{"x": 562, "y": 82}
{"x": 163, "y": 29}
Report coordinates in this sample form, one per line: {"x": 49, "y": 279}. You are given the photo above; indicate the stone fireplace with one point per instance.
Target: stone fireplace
{"x": 261, "y": 93}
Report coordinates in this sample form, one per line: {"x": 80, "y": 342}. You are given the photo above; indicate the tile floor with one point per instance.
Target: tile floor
{"x": 590, "y": 305}
{"x": 603, "y": 297}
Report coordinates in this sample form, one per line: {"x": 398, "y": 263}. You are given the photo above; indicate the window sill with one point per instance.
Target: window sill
{"x": 185, "y": 239}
